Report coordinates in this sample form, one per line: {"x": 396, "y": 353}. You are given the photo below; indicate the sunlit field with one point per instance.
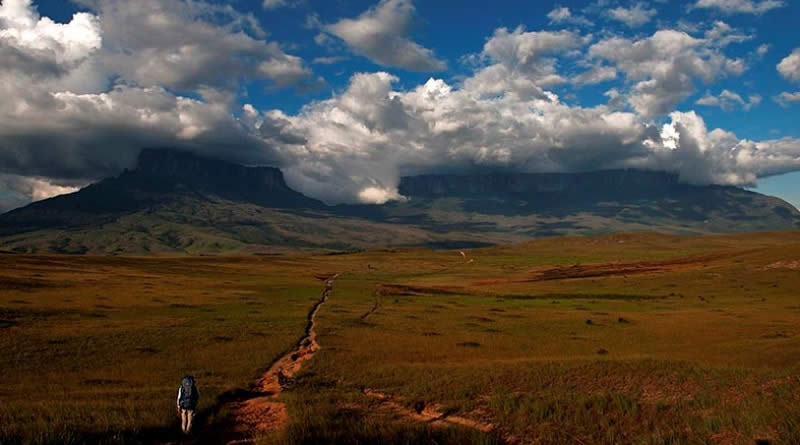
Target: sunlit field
{"x": 618, "y": 339}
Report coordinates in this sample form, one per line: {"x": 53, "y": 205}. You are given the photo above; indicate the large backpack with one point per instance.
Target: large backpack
{"x": 189, "y": 393}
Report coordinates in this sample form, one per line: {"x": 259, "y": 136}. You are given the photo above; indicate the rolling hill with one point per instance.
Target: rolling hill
{"x": 177, "y": 202}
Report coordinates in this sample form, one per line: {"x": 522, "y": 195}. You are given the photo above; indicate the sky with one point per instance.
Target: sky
{"x": 346, "y": 97}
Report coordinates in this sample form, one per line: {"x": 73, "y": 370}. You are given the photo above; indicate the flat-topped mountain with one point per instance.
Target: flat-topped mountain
{"x": 175, "y": 201}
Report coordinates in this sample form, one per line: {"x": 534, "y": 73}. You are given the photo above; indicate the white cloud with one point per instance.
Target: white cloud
{"x": 634, "y": 16}
{"x": 381, "y": 35}
{"x": 729, "y": 101}
{"x": 359, "y": 143}
{"x": 741, "y": 6}
{"x": 23, "y": 190}
{"x": 178, "y": 45}
{"x": 39, "y": 48}
{"x": 718, "y": 156}
{"x": 355, "y": 145}
{"x": 274, "y": 4}
{"x": 521, "y": 62}
{"x": 786, "y": 98}
{"x": 23, "y": 28}
{"x": 284, "y": 71}
{"x": 328, "y": 60}
{"x": 664, "y": 66}
{"x": 597, "y": 74}
{"x": 562, "y": 15}
{"x": 789, "y": 67}
{"x": 722, "y": 35}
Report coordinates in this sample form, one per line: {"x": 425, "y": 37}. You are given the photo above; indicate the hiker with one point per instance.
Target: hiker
{"x": 188, "y": 395}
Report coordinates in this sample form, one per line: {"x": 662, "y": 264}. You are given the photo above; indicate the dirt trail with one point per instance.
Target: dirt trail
{"x": 374, "y": 308}
{"x": 432, "y": 415}
{"x": 265, "y": 412}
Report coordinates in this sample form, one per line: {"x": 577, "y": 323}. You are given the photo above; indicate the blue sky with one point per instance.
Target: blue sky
{"x": 719, "y": 70}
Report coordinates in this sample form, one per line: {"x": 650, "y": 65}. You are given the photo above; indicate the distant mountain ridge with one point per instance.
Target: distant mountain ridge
{"x": 176, "y": 201}
{"x": 259, "y": 185}
{"x": 624, "y": 183}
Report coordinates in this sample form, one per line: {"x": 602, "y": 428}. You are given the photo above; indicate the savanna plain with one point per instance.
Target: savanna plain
{"x": 629, "y": 338}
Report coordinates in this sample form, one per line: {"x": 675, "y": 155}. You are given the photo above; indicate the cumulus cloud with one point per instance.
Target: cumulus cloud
{"x": 20, "y": 190}
{"x": 328, "y": 60}
{"x": 595, "y": 75}
{"x": 729, "y": 101}
{"x": 521, "y": 62}
{"x": 356, "y": 145}
{"x": 100, "y": 134}
{"x": 634, "y": 17}
{"x": 39, "y": 48}
{"x": 663, "y": 67}
{"x": 274, "y": 4}
{"x": 190, "y": 45}
{"x": 722, "y": 35}
{"x": 561, "y": 15}
{"x": 381, "y": 35}
{"x": 359, "y": 144}
{"x": 718, "y": 156}
{"x": 23, "y": 29}
{"x": 789, "y": 67}
{"x": 787, "y": 99}
{"x": 99, "y": 131}
{"x": 740, "y": 6}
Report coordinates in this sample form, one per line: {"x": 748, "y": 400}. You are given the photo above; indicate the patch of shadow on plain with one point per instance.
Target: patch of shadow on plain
{"x": 469, "y": 344}
{"x": 146, "y": 435}
{"x": 551, "y": 296}
{"x": 147, "y": 350}
{"x": 776, "y": 335}
{"x": 28, "y": 284}
{"x": 454, "y": 244}
{"x": 361, "y": 323}
{"x": 5, "y": 324}
{"x": 94, "y": 315}
{"x": 222, "y": 339}
{"x": 103, "y": 382}
{"x": 517, "y": 316}
{"x": 431, "y": 334}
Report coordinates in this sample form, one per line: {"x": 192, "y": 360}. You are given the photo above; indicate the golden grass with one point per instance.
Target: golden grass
{"x": 619, "y": 339}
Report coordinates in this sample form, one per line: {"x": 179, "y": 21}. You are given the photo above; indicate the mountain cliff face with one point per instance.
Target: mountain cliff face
{"x": 213, "y": 175}
{"x": 608, "y": 184}
{"x": 625, "y": 194}
{"x": 161, "y": 177}
{"x": 176, "y": 201}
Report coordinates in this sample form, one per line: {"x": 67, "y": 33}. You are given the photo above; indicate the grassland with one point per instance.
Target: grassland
{"x": 618, "y": 339}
